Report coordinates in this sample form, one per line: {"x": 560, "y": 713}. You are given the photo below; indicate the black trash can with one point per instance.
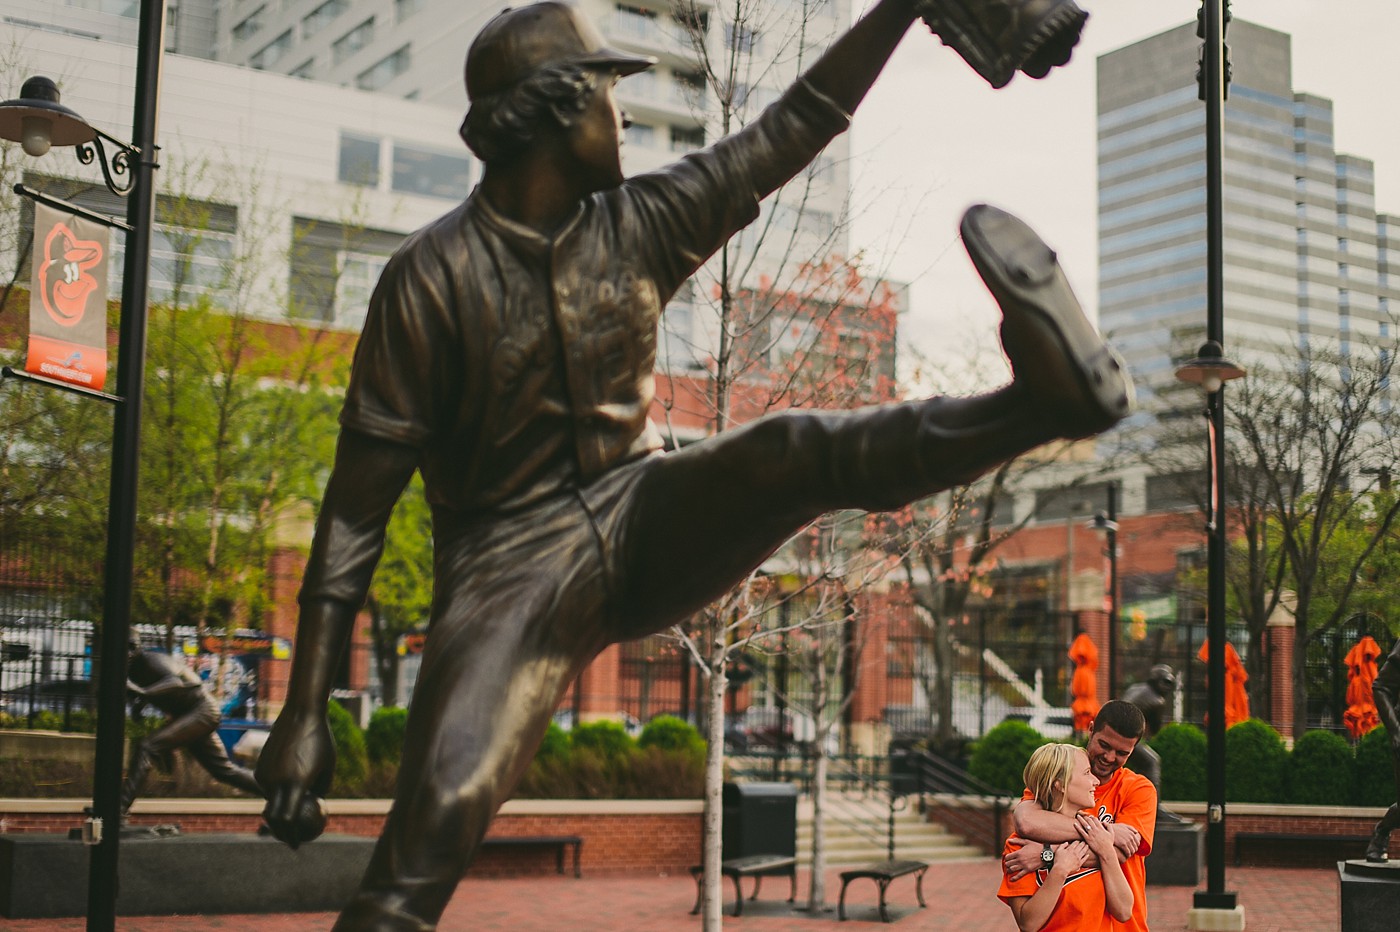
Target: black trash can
{"x": 759, "y": 818}
{"x": 904, "y": 770}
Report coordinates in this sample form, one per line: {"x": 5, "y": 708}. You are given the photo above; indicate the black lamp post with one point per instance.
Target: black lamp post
{"x": 37, "y": 120}
{"x": 1106, "y": 523}
{"x": 1211, "y": 371}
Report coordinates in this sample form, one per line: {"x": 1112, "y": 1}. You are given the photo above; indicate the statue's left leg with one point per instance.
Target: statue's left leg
{"x": 697, "y": 520}
{"x": 517, "y": 613}
{"x": 158, "y": 745}
{"x": 209, "y": 752}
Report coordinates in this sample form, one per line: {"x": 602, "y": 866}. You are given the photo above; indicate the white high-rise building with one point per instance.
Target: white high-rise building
{"x": 1306, "y": 254}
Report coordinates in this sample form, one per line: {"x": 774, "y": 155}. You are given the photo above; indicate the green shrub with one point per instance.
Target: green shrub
{"x": 1321, "y": 770}
{"x": 605, "y": 737}
{"x": 1182, "y": 747}
{"x": 1000, "y": 757}
{"x": 668, "y": 733}
{"x": 1375, "y": 769}
{"x": 384, "y": 736}
{"x": 1256, "y": 763}
{"x": 659, "y": 773}
{"x": 555, "y": 743}
{"x": 351, "y": 759}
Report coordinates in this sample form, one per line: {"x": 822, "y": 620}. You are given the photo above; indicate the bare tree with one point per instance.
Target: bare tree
{"x": 1310, "y": 424}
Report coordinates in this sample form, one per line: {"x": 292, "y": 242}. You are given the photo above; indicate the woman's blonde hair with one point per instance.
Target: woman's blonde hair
{"x": 1049, "y": 763}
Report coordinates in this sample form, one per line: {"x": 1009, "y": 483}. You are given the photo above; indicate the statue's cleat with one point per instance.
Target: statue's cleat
{"x": 1057, "y": 356}
{"x": 999, "y": 37}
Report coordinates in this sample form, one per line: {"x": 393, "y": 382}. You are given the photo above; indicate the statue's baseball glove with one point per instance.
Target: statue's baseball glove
{"x": 999, "y": 37}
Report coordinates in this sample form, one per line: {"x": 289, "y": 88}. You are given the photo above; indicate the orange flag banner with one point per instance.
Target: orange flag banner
{"x": 1083, "y": 686}
{"x": 1236, "y": 696}
{"x": 68, "y": 299}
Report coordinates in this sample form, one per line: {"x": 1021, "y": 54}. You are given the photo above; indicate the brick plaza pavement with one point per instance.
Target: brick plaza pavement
{"x": 960, "y": 894}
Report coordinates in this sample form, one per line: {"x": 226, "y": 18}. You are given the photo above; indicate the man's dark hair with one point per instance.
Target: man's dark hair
{"x": 1122, "y": 716}
{"x": 499, "y": 126}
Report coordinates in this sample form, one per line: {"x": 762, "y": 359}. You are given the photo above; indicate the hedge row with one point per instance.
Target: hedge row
{"x": 1322, "y": 769}
{"x": 596, "y": 760}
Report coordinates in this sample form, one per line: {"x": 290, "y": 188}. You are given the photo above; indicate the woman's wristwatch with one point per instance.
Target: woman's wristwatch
{"x": 1047, "y": 856}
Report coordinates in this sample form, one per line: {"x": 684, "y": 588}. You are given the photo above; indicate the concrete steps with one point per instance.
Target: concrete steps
{"x": 846, "y": 846}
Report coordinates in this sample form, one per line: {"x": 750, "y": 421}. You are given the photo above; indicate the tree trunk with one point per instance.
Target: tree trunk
{"x": 816, "y": 893}
{"x": 1300, "y": 674}
{"x": 712, "y": 898}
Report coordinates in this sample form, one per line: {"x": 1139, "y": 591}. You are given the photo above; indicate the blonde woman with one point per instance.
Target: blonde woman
{"x": 1082, "y": 886}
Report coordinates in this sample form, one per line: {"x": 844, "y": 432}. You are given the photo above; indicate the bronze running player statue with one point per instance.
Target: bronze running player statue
{"x": 508, "y": 355}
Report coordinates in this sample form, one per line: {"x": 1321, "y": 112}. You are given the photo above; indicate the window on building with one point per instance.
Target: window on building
{"x": 306, "y": 70}
{"x": 687, "y": 138}
{"x": 322, "y": 16}
{"x": 354, "y": 40}
{"x": 172, "y": 27}
{"x": 688, "y": 89}
{"x": 272, "y": 53}
{"x": 1070, "y": 503}
{"x": 635, "y": 22}
{"x": 678, "y": 350}
{"x": 334, "y": 269}
{"x": 1175, "y": 491}
{"x": 249, "y": 25}
{"x": 693, "y": 21}
{"x": 740, "y": 37}
{"x": 403, "y": 9}
{"x": 358, "y": 274}
{"x": 359, "y": 160}
{"x": 432, "y": 172}
{"x": 192, "y": 253}
{"x": 383, "y": 71}
{"x": 640, "y": 134}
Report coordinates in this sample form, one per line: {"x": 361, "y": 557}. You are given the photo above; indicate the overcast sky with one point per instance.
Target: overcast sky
{"x": 932, "y": 138}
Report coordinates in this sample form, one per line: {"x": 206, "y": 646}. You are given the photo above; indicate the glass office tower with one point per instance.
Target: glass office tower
{"x": 1306, "y": 255}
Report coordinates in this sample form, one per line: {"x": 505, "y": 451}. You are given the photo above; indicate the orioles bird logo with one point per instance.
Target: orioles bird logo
{"x": 65, "y": 277}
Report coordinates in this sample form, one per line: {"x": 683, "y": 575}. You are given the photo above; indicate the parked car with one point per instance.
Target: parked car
{"x": 48, "y": 696}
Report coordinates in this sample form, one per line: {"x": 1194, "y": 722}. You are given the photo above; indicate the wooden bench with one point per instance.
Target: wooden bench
{"x": 883, "y": 873}
{"x": 756, "y": 866}
{"x": 557, "y": 842}
{"x": 1300, "y": 838}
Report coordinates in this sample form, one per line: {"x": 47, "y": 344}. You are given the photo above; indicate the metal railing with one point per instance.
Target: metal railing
{"x": 925, "y": 773}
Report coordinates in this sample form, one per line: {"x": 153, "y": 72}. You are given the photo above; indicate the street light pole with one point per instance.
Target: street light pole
{"x": 126, "y": 447}
{"x": 39, "y": 121}
{"x": 1106, "y": 523}
{"x": 1210, "y": 370}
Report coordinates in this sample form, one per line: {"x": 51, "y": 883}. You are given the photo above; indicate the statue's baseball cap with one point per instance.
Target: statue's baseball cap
{"x": 519, "y": 41}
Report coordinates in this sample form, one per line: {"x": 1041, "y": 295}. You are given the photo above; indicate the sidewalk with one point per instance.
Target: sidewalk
{"x": 961, "y": 896}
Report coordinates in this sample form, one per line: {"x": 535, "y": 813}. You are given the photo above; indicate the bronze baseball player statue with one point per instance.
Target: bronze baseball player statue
{"x": 157, "y": 679}
{"x": 508, "y": 356}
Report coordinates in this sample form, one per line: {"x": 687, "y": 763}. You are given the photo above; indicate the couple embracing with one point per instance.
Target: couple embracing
{"x": 1083, "y": 828}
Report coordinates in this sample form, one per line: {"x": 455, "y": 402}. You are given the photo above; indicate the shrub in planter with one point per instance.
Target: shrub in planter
{"x": 1321, "y": 770}
{"x": 1375, "y": 769}
{"x": 1182, "y": 747}
{"x": 669, "y": 733}
{"x": 384, "y": 736}
{"x": 555, "y": 744}
{"x": 605, "y": 737}
{"x": 351, "y": 759}
{"x": 658, "y": 773}
{"x": 999, "y": 758}
{"x": 1256, "y": 763}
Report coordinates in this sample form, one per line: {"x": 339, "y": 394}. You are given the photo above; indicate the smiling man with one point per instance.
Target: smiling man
{"x": 508, "y": 355}
{"x": 1124, "y": 800}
